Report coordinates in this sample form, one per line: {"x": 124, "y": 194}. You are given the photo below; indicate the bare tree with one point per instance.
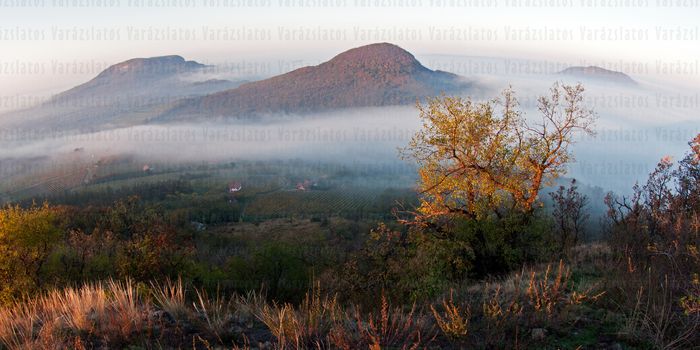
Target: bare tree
{"x": 570, "y": 215}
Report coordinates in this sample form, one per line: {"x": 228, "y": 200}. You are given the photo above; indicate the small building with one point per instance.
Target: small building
{"x": 304, "y": 186}
{"x": 234, "y": 187}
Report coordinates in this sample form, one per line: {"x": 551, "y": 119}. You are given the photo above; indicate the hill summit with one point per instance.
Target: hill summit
{"x": 373, "y": 75}
{"x": 599, "y": 74}
{"x": 152, "y": 67}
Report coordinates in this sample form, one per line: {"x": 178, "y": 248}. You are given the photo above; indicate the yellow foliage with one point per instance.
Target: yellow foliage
{"x": 474, "y": 159}
{"x": 27, "y": 237}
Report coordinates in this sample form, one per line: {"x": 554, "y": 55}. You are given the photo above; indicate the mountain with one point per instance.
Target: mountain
{"x": 147, "y": 78}
{"x": 131, "y": 76}
{"x": 161, "y": 89}
{"x": 373, "y": 75}
{"x": 599, "y": 74}
{"x": 124, "y": 94}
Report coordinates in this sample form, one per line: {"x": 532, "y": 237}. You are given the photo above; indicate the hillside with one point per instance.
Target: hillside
{"x": 134, "y": 75}
{"x": 125, "y": 94}
{"x": 374, "y": 75}
{"x": 599, "y": 74}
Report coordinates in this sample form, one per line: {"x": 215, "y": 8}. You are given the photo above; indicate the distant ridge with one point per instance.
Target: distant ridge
{"x": 135, "y": 73}
{"x": 125, "y": 94}
{"x": 150, "y": 67}
{"x": 373, "y": 75}
{"x": 168, "y": 88}
{"x": 599, "y": 74}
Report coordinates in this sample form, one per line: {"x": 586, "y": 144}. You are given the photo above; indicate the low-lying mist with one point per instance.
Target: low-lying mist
{"x": 636, "y": 126}
{"x": 359, "y": 135}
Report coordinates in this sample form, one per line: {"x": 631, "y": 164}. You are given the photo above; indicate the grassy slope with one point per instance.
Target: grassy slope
{"x": 551, "y": 307}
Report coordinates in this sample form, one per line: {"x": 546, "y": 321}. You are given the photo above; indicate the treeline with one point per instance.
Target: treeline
{"x": 46, "y": 247}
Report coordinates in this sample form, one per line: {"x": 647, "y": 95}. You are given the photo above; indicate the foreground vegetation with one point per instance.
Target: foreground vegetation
{"x": 519, "y": 311}
{"x": 471, "y": 261}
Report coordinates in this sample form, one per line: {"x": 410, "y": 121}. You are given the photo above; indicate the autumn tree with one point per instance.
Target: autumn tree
{"x": 27, "y": 238}
{"x": 570, "y": 216}
{"x": 151, "y": 246}
{"x": 88, "y": 255}
{"x": 481, "y": 168}
{"x": 481, "y": 159}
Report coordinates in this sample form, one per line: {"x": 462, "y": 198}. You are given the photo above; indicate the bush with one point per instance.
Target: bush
{"x": 276, "y": 267}
{"x": 27, "y": 239}
{"x": 655, "y": 236}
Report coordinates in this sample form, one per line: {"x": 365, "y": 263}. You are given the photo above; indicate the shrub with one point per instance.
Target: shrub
{"x": 453, "y": 322}
{"x": 655, "y": 236}
{"x": 27, "y": 239}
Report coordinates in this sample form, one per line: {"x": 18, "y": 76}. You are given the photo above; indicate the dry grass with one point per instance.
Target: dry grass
{"x": 304, "y": 326}
{"x": 113, "y": 315}
{"x": 502, "y": 314}
{"x": 396, "y": 328}
{"x": 546, "y": 291}
{"x": 17, "y": 326}
{"x": 216, "y": 312}
{"x": 453, "y": 321}
{"x": 659, "y": 315}
{"x": 320, "y": 323}
{"x": 170, "y": 297}
{"x": 110, "y": 312}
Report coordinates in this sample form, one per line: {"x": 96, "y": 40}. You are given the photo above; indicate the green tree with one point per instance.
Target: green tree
{"x": 27, "y": 239}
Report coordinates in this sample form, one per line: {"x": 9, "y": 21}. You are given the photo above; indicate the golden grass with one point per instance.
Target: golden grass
{"x": 170, "y": 297}
{"x": 320, "y": 323}
{"x": 116, "y": 314}
{"x": 215, "y": 311}
{"x": 302, "y": 326}
{"x": 453, "y": 321}
{"x": 110, "y": 310}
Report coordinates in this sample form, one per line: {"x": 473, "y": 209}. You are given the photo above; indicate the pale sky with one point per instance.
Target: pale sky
{"x": 48, "y": 46}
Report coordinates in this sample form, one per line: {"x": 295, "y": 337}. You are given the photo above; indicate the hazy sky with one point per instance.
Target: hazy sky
{"x": 48, "y": 46}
